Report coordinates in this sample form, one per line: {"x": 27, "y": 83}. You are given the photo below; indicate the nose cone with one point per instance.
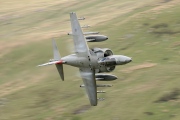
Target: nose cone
{"x": 106, "y": 38}
{"x": 128, "y": 59}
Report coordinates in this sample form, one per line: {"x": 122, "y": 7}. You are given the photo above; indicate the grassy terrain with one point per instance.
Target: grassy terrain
{"x": 147, "y": 88}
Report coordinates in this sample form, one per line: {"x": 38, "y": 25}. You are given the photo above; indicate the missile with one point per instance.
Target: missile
{"x": 105, "y": 77}
{"x": 85, "y": 33}
{"x": 85, "y": 26}
{"x": 104, "y": 85}
{"x": 96, "y": 38}
{"x": 88, "y": 33}
{"x": 101, "y": 92}
{"x": 98, "y": 85}
{"x": 81, "y": 18}
{"x": 82, "y": 85}
{"x": 100, "y": 99}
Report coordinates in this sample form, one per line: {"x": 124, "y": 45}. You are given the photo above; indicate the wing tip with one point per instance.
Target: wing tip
{"x": 94, "y": 104}
{"x": 72, "y": 13}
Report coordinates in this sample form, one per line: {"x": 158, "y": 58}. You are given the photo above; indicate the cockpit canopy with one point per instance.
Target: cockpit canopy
{"x": 102, "y": 52}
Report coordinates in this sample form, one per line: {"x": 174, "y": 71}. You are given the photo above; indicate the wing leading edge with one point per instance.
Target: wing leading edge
{"x": 89, "y": 81}
{"x": 82, "y": 50}
{"x": 80, "y": 44}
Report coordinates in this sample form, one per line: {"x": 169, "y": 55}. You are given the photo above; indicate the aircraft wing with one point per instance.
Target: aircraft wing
{"x": 82, "y": 50}
{"x": 89, "y": 81}
{"x": 80, "y": 44}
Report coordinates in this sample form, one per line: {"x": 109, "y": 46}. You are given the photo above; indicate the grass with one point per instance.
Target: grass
{"x": 134, "y": 29}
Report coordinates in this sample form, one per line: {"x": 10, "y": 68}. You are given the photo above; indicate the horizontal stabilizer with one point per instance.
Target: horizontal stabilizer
{"x": 60, "y": 70}
{"x": 55, "y": 51}
{"x": 56, "y": 60}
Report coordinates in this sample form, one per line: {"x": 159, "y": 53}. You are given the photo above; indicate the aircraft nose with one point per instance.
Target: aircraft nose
{"x": 106, "y": 37}
{"x": 128, "y": 60}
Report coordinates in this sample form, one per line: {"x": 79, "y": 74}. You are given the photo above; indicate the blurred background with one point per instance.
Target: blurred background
{"x": 146, "y": 89}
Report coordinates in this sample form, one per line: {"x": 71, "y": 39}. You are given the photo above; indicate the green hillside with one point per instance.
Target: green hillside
{"x": 147, "y": 88}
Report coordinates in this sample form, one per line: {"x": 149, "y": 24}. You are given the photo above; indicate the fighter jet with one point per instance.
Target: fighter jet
{"x": 91, "y": 62}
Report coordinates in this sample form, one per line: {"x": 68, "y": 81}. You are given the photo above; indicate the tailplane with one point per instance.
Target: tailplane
{"x": 55, "y": 51}
{"x": 56, "y": 60}
{"x": 60, "y": 70}
{"x": 57, "y": 56}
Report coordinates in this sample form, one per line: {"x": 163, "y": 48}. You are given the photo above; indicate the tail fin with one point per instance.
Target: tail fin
{"x": 57, "y": 60}
{"x": 58, "y": 57}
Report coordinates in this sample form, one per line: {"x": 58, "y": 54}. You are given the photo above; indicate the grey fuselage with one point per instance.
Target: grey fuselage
{"x": 104, "y": 64}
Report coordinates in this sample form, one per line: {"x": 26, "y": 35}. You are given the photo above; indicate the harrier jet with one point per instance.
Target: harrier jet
{"x": 91, "y": 62}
